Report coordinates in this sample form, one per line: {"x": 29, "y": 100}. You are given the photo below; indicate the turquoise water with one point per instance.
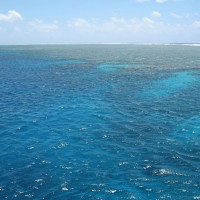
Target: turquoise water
{"x": 99, "y": 122}
{"x": 170, "y": 86}
{"x": 112, "y": 67}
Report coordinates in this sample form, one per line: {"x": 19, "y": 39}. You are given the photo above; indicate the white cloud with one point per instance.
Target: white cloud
{"x": 112, "y": 25}
{"x": 155, "y": 14}
{"x": 41, "y": 26}
{"x": 110, "y": 30}
{"x": 124, "y": 30}
{"x": 183, "y": 16}
{"x": 196, "y": 24}
{"x": 176, "y": 16}
{"x": 11, "y": 16}
{"x": 82, "y": 25}
{"x": 161, "y": 1}
{"x": 147, "y": 20}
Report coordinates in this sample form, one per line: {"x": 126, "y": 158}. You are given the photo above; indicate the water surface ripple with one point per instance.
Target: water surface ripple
{"x": 99, "y": 122}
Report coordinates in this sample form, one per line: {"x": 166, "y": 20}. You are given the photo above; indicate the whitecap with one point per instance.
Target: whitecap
{"x": 65, "y": 189}
{"x": 38, "y": 180}
{"x": 111, "y": 191}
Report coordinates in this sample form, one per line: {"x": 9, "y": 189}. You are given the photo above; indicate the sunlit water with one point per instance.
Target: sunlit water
{"x": 99, "y": 122}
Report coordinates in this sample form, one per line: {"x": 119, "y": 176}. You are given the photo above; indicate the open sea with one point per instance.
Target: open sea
{"x": 100, "y": 122}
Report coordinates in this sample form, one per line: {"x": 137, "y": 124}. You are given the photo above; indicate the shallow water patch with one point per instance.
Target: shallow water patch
{"x": 113, "y": 67}
{"x": 71, "y": 61}
{"x": 170, "y": 85}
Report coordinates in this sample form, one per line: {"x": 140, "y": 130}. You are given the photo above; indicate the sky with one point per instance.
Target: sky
{"x": 99, "y": 21}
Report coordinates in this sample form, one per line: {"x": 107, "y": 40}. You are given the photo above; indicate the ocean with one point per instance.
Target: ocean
{"x": 100, "y": 122}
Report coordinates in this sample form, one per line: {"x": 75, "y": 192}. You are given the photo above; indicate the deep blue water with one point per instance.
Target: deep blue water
{"x": 99, "y": 122}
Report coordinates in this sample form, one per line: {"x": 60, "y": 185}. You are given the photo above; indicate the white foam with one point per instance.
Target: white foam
{"x": 38, "y": 180}
{"x": 111, "y": 191}
{"x": 147, "y": 167}
{"x": 65, "y": 189}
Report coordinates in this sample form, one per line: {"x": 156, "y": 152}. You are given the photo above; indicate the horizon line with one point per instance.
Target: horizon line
{"x": 49, "y": 44}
